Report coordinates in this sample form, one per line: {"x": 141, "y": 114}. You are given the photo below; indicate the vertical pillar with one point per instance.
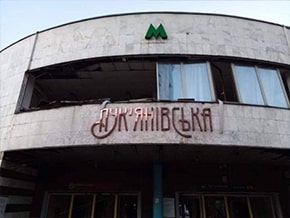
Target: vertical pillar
{"x": 1, "y": 157}
{"x": 157, "y": 191}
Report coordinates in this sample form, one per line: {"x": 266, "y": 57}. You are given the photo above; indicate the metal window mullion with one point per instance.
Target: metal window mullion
{"x": 277, "y": 206}
{"x": 272, "y": 207}
{"x": 139, "y": 204}
{"x": 116, "y": 206}
{"x": 93, "y": 206}
{"x": 71, "y": 206}
{"x": 227, "y": 206}
{"x": 236, "y": 84}
{"x": 157, "y": 79}
{"x": 249, "y": 207}
{"x": 261, "y": 86}
{"x": 200, "y": 206}
{"x": 183, "y": 82}
{"x": 209, "y": 73}
{"x": 45, "y": 205}
{"x": 283, "y": 88}
{"x": 177, "y": 215}
{"x": 203, "y": 207}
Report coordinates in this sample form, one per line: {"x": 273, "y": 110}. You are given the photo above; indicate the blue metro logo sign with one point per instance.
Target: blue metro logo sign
{"x": 152, "y": 31}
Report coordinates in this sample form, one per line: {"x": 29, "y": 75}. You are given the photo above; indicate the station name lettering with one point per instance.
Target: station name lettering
{"x": 153, "y": 119}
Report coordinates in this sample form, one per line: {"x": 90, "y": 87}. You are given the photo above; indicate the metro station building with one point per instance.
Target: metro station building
{"x": 176, "y": 115}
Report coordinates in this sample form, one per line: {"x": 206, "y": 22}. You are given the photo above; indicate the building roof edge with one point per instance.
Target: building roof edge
{"x": 140, "y": 13}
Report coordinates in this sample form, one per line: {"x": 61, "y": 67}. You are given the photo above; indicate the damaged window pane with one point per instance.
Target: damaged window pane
{"x": 131, "y": 79}
{"x": 89, "y": 82}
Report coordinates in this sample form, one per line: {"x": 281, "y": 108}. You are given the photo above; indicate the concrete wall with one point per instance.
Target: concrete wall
{"x": 124, "y": 35}
{"x": 187, "y": 34}
{"x": 232, "y": 125}
{"x": 14, "y": 62}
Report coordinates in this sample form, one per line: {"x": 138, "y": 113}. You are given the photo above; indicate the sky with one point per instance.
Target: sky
{"x": 20, "y": 18}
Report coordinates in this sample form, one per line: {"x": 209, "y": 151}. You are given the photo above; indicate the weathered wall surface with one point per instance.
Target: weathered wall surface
{"x": 187, "y": 34}
{"x": 232, "y": 125}
{"x": 13, "y": 64}
{"x": 124, "y": 35}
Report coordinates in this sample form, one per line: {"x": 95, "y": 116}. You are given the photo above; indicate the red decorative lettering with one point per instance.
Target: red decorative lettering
{"x": 165, "y": 116}
{"x": 112, "y": 119}
{"x": 181, "y": 120}
{"x": 206, "y": 113}
{"x": 195, "y": 118}
{"x": 100, "y": 123}
{"x": 122, "y": 115}
{"x": 138, "y": 118}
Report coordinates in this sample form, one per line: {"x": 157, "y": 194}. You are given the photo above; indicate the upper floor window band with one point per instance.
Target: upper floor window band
{"x": 185, "y": 81}
{"x": 261, "y": 86}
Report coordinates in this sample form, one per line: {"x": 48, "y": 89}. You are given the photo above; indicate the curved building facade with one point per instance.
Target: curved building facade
{"x": 178, "y": 115}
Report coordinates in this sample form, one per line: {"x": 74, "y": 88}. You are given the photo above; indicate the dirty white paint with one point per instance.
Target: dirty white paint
{"x": 124, "y": 35}
{"x": 242, "y": 126}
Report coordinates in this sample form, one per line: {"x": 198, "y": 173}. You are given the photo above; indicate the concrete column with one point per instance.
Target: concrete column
{"x": 1, "y": 157}
{"x": 157, "y": 191}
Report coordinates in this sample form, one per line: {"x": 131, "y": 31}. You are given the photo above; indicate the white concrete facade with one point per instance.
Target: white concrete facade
{"x": 195, "y": 34}
{"x": 69, "y": 126}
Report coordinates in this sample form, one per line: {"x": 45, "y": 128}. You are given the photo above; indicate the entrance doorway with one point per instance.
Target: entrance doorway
{"x": 225, "y": 206}
{"x": 93, "y": 205}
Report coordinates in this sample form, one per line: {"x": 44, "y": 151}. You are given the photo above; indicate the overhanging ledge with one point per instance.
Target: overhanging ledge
{"x": 150, "y": 123}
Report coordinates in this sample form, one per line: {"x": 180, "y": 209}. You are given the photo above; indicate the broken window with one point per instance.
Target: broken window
{"x": 149, "y": 78}
{"x": 223, "y": 81}
{"x": 90, "y": 81}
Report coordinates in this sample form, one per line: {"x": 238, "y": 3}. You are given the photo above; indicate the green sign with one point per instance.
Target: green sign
{"x": 152, "y": 31}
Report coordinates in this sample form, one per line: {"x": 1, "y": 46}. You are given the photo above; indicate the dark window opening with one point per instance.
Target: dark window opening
{"x": 224, "y": 81}
{"x": 88, "y": 205}
{"x": 228, "y": 205}
{"x": 123, "y": 79}
{"x": 90, "y": 81}
{"x": 285, "y": 75}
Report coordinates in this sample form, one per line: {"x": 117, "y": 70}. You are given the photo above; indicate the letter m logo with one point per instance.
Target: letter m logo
{"x": 160, "y": 31}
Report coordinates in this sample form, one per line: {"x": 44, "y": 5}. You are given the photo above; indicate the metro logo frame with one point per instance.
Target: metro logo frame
{"x": 159, "y": 32}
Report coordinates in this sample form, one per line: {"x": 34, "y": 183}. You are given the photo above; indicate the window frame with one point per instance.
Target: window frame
{"x": 275, "y": 204}
{"x": 116, "y": 195}
{"x": 182, "y": 72}
{"x": 261, "y": 87}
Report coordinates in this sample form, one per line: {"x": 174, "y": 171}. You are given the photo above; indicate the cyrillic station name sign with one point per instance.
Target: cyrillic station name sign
{"x": 183, "y": 121}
